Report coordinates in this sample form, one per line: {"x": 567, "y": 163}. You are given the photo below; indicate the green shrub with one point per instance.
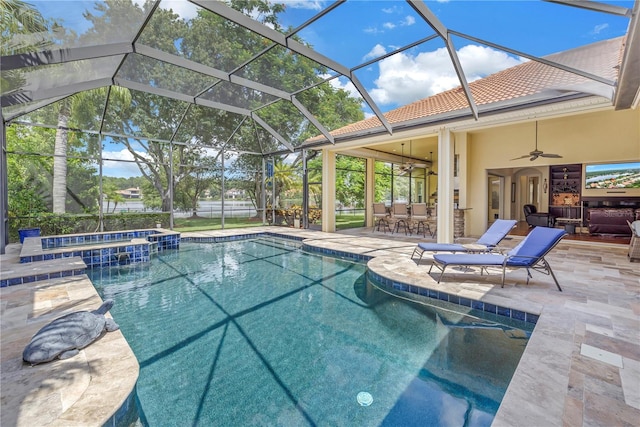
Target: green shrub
{"x": 51, "y": 224}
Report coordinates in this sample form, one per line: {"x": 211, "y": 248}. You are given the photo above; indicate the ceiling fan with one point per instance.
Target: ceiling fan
{"x": 431, "y": 172}
{"x": 537, "y": 153}
{"x": 407, "y": 167}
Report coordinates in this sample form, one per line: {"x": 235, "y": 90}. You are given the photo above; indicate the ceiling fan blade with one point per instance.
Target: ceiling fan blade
{"x": 555, "y": 156}
{"x": 535, "y": 156}
{"x": 522, "y": 157}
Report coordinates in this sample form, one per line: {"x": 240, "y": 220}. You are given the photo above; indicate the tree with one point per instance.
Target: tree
{"x": 110, "y": 192}
{"x": 285, "y": 177}
{"x": 27, "y": 175}
{"x": 350, "y": 181}
{"x": 193, "y": 186}
{"x": 165, "y": 167}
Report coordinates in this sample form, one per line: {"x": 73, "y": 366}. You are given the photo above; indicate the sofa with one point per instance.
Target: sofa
{"x": 535, "y": 218}
{"x": 611, "y": 221}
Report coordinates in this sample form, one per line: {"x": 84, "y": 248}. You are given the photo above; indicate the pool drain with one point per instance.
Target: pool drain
{"x": 364, "y": 398}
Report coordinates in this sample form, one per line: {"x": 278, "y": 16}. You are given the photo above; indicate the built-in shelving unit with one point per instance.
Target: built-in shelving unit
{"x": 565, "y": 195}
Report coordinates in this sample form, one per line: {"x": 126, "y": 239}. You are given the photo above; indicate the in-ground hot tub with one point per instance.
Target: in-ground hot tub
{"x": 101, "y": 249}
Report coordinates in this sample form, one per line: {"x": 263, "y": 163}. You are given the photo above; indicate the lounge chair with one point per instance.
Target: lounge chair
{"x": 490, "y": 239}
{"x": 528, "y": 254}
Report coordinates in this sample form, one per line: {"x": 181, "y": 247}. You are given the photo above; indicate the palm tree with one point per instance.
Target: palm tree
{"x": 19, "y": 17}
{"x": 75, "y": 106}
{"x": 284, "y": 178}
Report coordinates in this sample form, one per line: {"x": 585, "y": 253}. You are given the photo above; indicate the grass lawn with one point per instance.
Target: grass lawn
{"x": 202, "y": 224}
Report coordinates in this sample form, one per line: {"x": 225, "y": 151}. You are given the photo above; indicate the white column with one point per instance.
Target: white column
{"x": 461, "y": 149}
{"x": 369, "y": 191}
{"x": 328, "y": 191}
{"x": 445, "y": 186}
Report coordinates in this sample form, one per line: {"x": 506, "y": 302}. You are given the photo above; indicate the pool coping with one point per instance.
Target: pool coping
{"x": 95, "y": 387}
{"x": 540, "y": 392}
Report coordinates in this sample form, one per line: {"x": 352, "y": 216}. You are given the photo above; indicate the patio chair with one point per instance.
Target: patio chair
{"x": 528, "y": 254}
{"x": 380, "y": 217}
{"x": 400, "y": 217}
{"x": 487, "y": 242}
{"x": 420, "y": 217}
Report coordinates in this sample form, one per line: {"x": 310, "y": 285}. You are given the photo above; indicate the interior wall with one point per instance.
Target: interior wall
{"x": 597, "y": 137}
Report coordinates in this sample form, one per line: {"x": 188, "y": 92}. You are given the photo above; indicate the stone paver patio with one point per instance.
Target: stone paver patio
{"x": 580, "y": 368}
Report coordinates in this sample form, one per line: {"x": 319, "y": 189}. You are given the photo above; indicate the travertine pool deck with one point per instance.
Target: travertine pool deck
{"x": 580, "y": 368}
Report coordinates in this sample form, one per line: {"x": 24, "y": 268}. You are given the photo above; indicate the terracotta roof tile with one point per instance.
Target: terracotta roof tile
{"x": 530, "y": 78}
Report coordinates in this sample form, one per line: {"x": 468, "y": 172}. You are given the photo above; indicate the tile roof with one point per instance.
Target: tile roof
{"x": 511, "y": 85}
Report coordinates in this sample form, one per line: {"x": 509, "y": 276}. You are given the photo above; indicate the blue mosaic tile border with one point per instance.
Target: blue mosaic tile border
{"x": 337, "y": 254}
{"x": 222, "y": 239}
{"x": 454, "y": 299}
{"x": 127, "y": 414}
{"x": 103, "y": 257}
{"x": 41, "y": 276}
{"x": 110, "y": 256}
{"x": 165, "y": 241}
{"x": 54, "y": 242}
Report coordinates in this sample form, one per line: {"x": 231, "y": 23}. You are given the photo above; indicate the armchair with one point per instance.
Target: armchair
{"x": 535, "y": 218}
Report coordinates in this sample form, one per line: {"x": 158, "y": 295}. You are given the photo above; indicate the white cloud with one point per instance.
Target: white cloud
{"x": 393, "y": 9}
{"x": 302, "y": 4}
{"x": 120, "y": 164}
{"x": 405, "y": 78}
{"x": 372, "y": 30}
{"x": 408, "y": 20}
{"x": 184, "y": 9}
{"x": 345, "y": 84}
{"x": 599, "y": 28}
{"x": 389, "y": 25}
{"x": 378, "y": 50}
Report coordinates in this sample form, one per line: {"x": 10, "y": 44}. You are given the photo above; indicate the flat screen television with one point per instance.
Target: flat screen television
{"x": 612, "y": 175}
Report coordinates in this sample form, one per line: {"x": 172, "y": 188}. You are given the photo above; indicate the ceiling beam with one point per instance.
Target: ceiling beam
{"x": 208, "y": 71}
{"x": 537, "y": 59}
{"x": 220, "y": 8}
{"x": 59, "y": 56}
{"x": 24, "y": 96}
{"x": 595, "y": 6}
{"x": 312, "y": 119}
{"x": 272, "y": 131}
{"x": 627, "y": 93}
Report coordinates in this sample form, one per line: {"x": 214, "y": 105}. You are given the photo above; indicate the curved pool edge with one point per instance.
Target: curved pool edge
{"x": 94, "y": 388}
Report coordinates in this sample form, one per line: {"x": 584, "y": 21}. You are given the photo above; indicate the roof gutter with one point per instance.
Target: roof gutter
{"x": 494, "y": 114}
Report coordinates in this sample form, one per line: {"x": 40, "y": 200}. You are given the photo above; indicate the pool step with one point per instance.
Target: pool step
{"x": 18, "y": 274}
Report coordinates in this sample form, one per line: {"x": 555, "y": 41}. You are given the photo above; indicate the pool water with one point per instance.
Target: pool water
{"x": 259, "y": 332}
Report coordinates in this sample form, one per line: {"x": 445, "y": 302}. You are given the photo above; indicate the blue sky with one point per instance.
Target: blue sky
{"x": 358, "y": 31}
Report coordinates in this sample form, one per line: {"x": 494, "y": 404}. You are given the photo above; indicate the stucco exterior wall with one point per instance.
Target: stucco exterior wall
{"x": 599, "y": 137}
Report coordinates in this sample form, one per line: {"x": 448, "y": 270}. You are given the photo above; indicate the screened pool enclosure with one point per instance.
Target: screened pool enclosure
{"x": 125, "y": 112}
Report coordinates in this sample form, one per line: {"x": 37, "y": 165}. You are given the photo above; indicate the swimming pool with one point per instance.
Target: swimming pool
{"x": 259, "y": 332}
